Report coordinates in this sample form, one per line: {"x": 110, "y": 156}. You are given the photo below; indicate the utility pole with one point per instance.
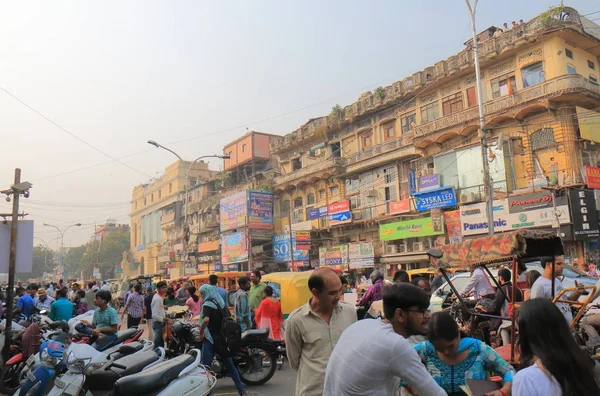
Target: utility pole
{"x": 488, "y": 183}
{"x": 14, "y": 193}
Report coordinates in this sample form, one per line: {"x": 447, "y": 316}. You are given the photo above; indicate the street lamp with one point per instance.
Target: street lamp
{"x": 47, "y": 248}
{"x": 62, "y": 243}
{"x": 187, "y": 171}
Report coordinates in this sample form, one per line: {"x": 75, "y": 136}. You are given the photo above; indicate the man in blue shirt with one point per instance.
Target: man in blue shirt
{"x": 61, "y": 309}
{"x": 24, "y": 305}
{"x": 213, "y": 279}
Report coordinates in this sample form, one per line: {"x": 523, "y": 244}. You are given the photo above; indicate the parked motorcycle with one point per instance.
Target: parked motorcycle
{"x": 255, "y": 356}
{"x": 37, "y": 380}
{"x": 183, "y": 375}
{"x": 92, "y": 371}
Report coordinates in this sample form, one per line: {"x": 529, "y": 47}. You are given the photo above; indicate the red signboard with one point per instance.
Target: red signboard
{"x": 401, "y": 206}
{"x": 339, "y": 207}
{"x": 592, "y": 174}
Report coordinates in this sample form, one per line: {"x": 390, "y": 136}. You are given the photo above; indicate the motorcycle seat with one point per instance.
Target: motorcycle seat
{"x": 127, "y": 349}
{"x": 255, "y": 333}
{"x": 105, "y": 378}
{"x": 153, "y": 378}
{"x": 121, "y": 336}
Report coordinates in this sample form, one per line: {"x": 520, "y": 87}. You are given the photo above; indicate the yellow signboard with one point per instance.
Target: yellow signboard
{"x": 589, "y": 124}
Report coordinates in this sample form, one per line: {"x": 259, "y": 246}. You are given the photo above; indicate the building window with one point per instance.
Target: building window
{"x": 452, "y": 104}
{"x": 152, "y": 197}
{"x": 145, "y": 202}
{"x": 296, "y": 164}
{"x": 591, "y": 65}
{"x": 571, "y": 69}
{"x": 297, "y": 202}
{"x": 367, "y": 140}
{"x": 243, "y": 148}
{"x": 159, "y": 194}
{"x": 533, "y": 74}
{"x": 334, "y": 190}
{"x": 310, "y": 199}
{"x": 503, "y": 86}
{"x": 542, "y": 138}
{"x": 593, "y": 79}
{"x": 170, "y": 188}
{"x": 408, "y": 121}
{"x": 569, "y": 53}
{"x": 471, "y": 97}
{"x": 355, "y": 202}
{"x": 430, "y": 112}
{"x": 321, "y": 194}
{"x": 285, "y": 206}
{"x": 352, "y": 184}
{"x": 388, "y": 131}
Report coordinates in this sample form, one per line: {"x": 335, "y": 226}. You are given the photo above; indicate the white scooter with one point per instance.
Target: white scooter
{"x": 183, "y": 375}
{"x": 92, "y": 371}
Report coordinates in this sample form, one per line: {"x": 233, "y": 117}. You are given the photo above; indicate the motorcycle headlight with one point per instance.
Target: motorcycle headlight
{"x": 47, "y": 360}
{"x": 77, "y": 365}
{"x": 93, "y": 366}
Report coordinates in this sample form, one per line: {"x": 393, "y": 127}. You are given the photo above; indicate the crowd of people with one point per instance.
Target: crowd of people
{"x": 405, "y": 349}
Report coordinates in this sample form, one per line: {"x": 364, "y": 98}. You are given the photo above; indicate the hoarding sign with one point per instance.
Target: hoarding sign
{"x": 361, "y": 255}
{"x": 429, "y": 182}
{"x": 281, "y": 249}
{"x": 473, "y": 218}
{"x": 592, "y": 175}
{"x": 234, "y": 248}
{"x": 584, "y": 214}
{"x": 453, "y": 227}
{"x": 589, "y": 127}
{"x": 401, "y": 206}
{"x": 412, "y": 181}
{"x": 526, "y": 202}
{"x": 339, "y": 212}
{"x": 233, "y": 211}
{"x": 409, "y": 229}
{"x": 260, "y": 210}
{"x": 334, "y": 255}
{"x": 316, "y": 213}
{"x": 438, "y": 198}
{"x": 24, "y": 246}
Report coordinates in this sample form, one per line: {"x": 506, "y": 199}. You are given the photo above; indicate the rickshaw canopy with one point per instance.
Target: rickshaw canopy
{"x": 293, "y": 287}
{"x": 499, "y": 248}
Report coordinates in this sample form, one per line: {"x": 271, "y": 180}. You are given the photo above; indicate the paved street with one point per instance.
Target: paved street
{"x": 283, "y": 383}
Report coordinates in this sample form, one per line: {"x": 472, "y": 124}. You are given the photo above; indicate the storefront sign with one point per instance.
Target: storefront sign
{"x": 584, "y": 214}
{"x": 592, "y": 175}
{"x": 438, "y": 198}
{"x": 339, "y": 212}
{"x": 361, "y": 255}
{"x": 234, "y": 248}
{"x": 334, "y": 255}
{"x": 453, "y": 227}
{"x": 302, "y": 226}
{"x": 281, "y": 249}
{"x": 218, "y": 267}
{"x": 474, "y": 219}
{"x": 429, "y": 182}
{"x": 409, "y": 229}
{"x": 316, "y": 213}
{"x": 233, "y": 211}
{"x": 412, "y": 181}
{"x": 260, "y": 210}
{"x": 526, "y": 202}
{"x": 401, "y": 206}
{"x": 302, "y": 240}
{"x": 209, "y": 246}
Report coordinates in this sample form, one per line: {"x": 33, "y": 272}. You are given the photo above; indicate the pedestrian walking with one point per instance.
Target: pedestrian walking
{"x": 134, "y": 307}
{"x": 269, "y": 315}
{"x": 193, "y": 302}
{"x": 242, "y": 304}
{"x": 159, "y": 314}
{"x": 313, "y": 330}
{"x": 257, "y": 289}
{"x": 148, "y": 304}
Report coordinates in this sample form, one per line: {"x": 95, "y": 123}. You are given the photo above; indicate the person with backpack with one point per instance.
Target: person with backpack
{"x": 215, "y": 324}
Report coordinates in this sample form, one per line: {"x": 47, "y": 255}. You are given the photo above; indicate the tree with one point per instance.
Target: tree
{"x": 43, "y": 261}
{"x": 73, "y": 260}
{"x": 107, "y": 253}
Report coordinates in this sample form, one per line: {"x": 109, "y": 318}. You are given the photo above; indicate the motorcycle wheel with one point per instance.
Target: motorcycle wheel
{"x": 9, "y": 379}
{"x": 252, "y": 367}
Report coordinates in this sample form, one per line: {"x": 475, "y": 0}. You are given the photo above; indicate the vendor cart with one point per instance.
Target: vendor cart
{"x": 512, "y": 249}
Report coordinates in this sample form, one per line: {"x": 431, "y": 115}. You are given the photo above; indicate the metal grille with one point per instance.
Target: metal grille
{"x": 542, "y": 138}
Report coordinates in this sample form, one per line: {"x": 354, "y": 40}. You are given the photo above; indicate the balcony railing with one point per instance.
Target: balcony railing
{"x": 390, "y": 145}
{"x": 557, "y": 86}
{"x": 331, "y": 163}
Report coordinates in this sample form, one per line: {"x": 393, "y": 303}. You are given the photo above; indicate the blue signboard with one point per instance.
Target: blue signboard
{"x": 438, "y": 198}
{"x": 316, "y": 213}
{"x": 412, "y": 181}
{"x": 281, "y": 249}
{"x": 343, "y": 216}
{"x": 218, "y": 266}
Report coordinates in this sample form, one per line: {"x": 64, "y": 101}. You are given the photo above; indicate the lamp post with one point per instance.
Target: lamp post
{"x": 47, "y": 248}
{"x": 488, "y": 184}
{"x": 62, "y": 243}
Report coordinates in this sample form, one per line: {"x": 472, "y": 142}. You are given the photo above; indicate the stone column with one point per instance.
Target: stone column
{"x": 567, "y": 119}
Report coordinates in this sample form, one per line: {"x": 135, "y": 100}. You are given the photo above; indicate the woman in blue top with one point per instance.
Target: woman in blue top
{"x": 451, "y": 359}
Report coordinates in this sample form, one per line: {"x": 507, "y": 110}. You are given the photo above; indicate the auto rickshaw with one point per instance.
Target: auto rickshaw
{"x": 514, "y": 249}
{"x": 293, "y": 288}
{"x": 227, "y": 280}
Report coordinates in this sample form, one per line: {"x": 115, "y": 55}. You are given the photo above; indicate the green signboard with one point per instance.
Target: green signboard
{"x": 422, "y": 227}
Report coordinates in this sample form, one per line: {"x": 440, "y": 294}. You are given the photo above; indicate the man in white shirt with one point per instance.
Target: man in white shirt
{"x": 478, "y": 283}
{"x": 373, "y": 354}
{"x": 159, "y": 313}
{"x": 542, "y": 288}
{"x": 105, "y": 287}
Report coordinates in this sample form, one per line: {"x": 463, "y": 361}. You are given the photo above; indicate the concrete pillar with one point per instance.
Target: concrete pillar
{"x": 567, "y": 119}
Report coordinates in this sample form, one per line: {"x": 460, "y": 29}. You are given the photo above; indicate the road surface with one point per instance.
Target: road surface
{"x": 283, "y": 383}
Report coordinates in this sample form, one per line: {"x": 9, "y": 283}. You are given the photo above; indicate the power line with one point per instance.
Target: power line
{"x": 70, "y": 133}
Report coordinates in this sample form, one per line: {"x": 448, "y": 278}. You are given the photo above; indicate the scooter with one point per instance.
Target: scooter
{"x": 183, "y": 375}
{"x": 90, "y": 371}
{"x": 37, "y": 380}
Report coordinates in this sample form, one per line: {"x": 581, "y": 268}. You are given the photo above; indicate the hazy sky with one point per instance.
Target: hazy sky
{"x": 192, "y": 75}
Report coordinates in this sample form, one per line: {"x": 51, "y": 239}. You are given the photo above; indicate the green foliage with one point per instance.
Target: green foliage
{"x": 380, "y": 93}
{"x": 43, "y": 261}
{"x": 336, "y": 116}
{"x": 548, "y": 18}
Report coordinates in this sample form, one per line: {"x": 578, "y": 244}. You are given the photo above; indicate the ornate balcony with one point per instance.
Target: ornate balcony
{"x": 567, "y": 84}
{"x": 331, "y": 166}
{"x": 395, "y": 149}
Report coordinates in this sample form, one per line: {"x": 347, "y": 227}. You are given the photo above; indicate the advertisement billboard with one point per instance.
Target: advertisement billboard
{"x": 281, "y": 249}
{"x": 234, "y": 248}
{"x": 401, "y": 206}
{"x": 410, "y": 229}
{"x": 334, "y": 255}
{"x": 361, "y": 255}
{"x": 453, "y": 226}
{"x": 584, "y": 214}
{"x": 592, "y": 175}
{"x": 233, "y": 211}
{"x": 260, "y": 210}
{"x": 429, "y": 182}
{"x": 339, "y": 212}
{"x": 433, "y": 199}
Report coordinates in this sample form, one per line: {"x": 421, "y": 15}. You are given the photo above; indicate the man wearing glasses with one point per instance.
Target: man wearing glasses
{"x": 383, "y": 349}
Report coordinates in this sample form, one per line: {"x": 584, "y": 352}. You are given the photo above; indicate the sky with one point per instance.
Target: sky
{"x": 85, "y": 84}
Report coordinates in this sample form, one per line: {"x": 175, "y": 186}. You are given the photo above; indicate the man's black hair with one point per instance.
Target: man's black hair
{"x": 401, "y": 276}
{"x": 161, "y": 284}
{"x": 403, "y": 296}
{"x": 316, "y": 281}
{"x": 545, "y": 260}
{"x": 505, "y": 274}
{"x": 104, "y": 295}
{"x": 213, "y": 279}
{"x": 257, "y": 274}
{"x": 61, "y": 293}
{"x": 243, "y": 280}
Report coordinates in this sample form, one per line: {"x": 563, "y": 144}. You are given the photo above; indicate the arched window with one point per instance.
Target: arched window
{"x": 310, "y": 199}
{"x": 298, "y": 202}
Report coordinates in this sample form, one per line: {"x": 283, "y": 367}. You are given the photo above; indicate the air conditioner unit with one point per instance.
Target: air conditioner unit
{"x": 418, "y": 246}
{"x": 391, "y": 249}
{"x": 469, "y": 197}
{"x": 403, "y": 248}
{"x": 357, "y": 215}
